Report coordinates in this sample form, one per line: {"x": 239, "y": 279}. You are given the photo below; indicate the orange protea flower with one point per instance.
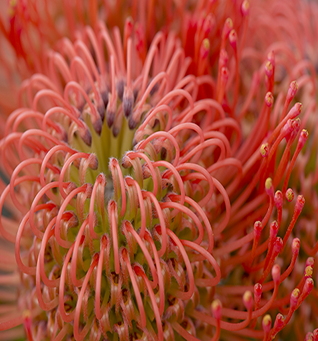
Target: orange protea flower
{"x": 110, "y": 224}
{"x": 145, "y": 184}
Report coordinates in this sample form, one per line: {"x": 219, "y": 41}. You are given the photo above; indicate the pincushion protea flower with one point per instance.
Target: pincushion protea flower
{"x": 112, "y": 243}
{"x": 98, "y": 230}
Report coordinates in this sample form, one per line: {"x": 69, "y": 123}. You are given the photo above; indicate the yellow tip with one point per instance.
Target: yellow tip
{"x": 216, "y": 304}
{"x": 206, "y": 44}
{"x": 247, "y": 296}
{"x": 246, "y": 5}
{"x": 294, "y": 85}
{"x": 267, "y": 319}
{"x": 26, "y": 314}
{"x": 308, "y": 271}
{"x": 289, "y": 195}
{"x": 229, "y": 22}
{"x": 296, "y": 292}
{"x": 269, "y": 65}
{"x": 268, "y": 183}
{"x": 264, "y": 149}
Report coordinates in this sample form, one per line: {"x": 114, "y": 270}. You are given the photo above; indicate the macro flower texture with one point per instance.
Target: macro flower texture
{"x": 158, "y": 170}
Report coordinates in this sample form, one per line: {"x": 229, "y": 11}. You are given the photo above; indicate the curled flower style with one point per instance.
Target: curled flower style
{"x": 147, "y": 199}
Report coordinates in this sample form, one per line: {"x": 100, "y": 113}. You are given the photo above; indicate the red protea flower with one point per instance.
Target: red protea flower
{"x": 133, "y": 190}
{"x": 102, "y": 226}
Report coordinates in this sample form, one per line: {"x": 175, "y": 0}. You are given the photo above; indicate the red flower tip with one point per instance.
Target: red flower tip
{"x": 296, "y": 246}
{"x": 310, "y": 261}
{"x": 269, "y": 69}
{"x": 293, "y": 87}
{"x": 245, "y": 8}
{"x": 309, "y": 337}
{"x": 209, "y": 24}
{"x": 104, "y": 240}
{"x": 290, "y": 195}
{"x": 228, "y": 25}
{"x": 278, "y": 199}
{"x": 288, "y": 128}
{"x": 309, "y": 284}
{"x": 273, "y": 229}
{"x": 295, "y": 110}
{"x": 248, "y": 300}
{"x": 299, "y": 204}
{"x": 224, "y": 75}
{"x": 279, "y": 322}
{"x": 264, "y": 149}
{"x": 258, "y": 289}
{"x": 129, "y": 26}
{"x": 294, "y": 297}
{"x": 257, "y": 229}
{"x": 303, "y": 138}
{"x": 267, "y": 323}
{"x": 296, "y": 124}
{"x": 205, "y": 48}
{"x": 216, "y": 307}
{"x": 269, "y": 99}
{"x": 276, "y": 273}
{"x": 271, "y": 58}
{"x": 278, "y": 245}
{"x": 224, "y": 57}
{"x": 269, "y": 188}
{"x": 233, "y": 39}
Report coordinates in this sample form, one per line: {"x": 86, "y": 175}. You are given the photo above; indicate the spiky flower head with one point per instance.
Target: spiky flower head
{"x": 144, "y": 177}
{"x": 109, "y": 220}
